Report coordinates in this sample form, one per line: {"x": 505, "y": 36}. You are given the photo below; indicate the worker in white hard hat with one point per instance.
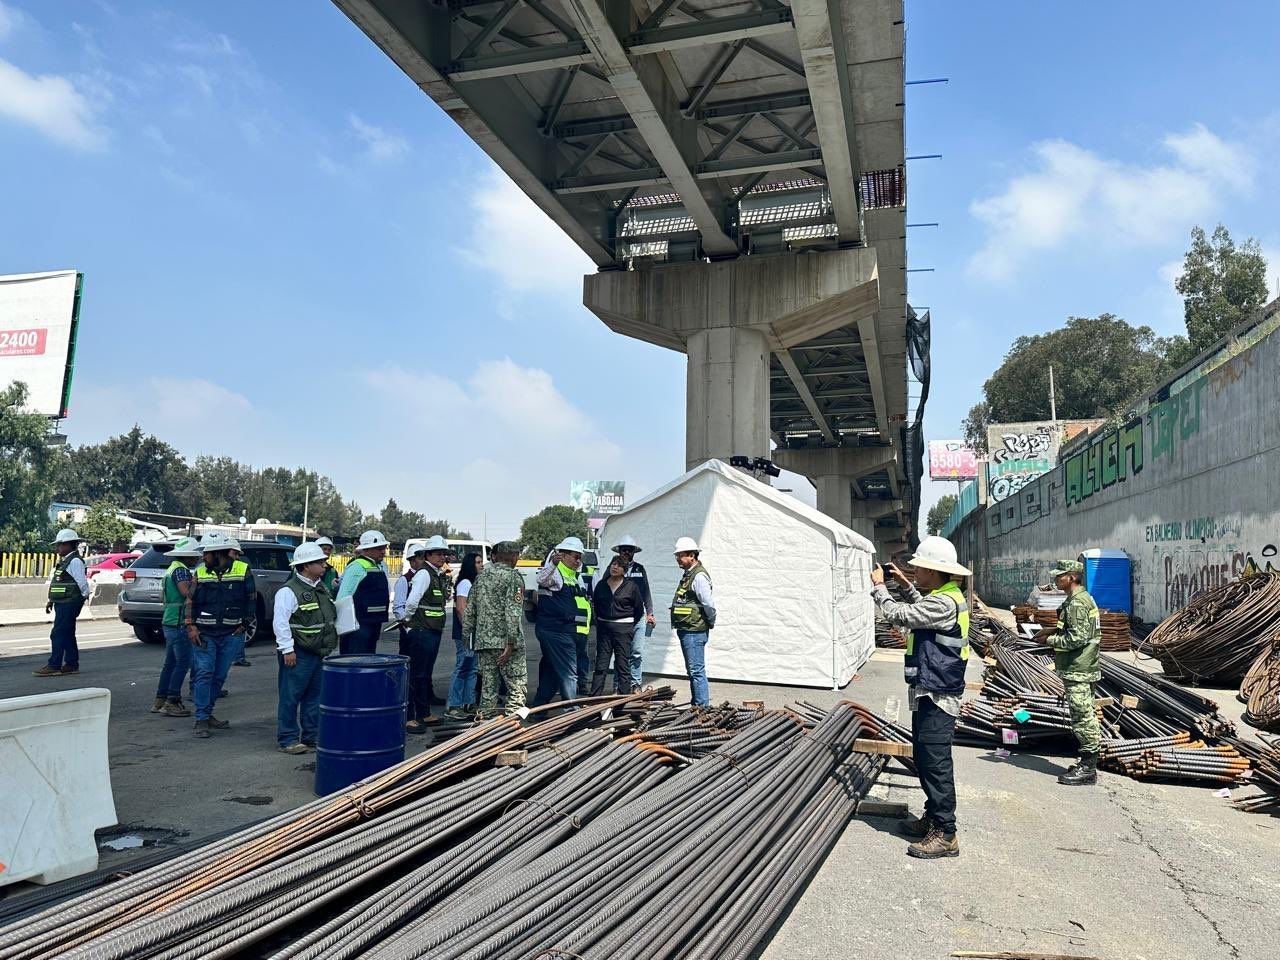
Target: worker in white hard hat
{"x": 305, "y": 623}
{"x": 366, "y": 586}
{"x": 693, "y": 615}
{"x": 179, "y": 584}
{"x": 936, "y": 612}
{"x": 626, "y": 548}
{"x": 563, "y": 622}
{"x": 219, "y": 614}
{"x": 68, "y": 591}
{"x": 423, "y": 616}
{"x": 331, "y": 577}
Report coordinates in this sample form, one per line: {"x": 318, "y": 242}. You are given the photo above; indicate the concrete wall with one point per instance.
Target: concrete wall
{"x": 1189, "y": 488}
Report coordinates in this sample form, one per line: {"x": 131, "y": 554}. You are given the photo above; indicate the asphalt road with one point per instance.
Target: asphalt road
{"x": 1124, "y": 871}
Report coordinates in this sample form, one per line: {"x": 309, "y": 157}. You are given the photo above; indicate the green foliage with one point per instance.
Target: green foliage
{"x": 26, "y": 468}
{"x": 134, "y": 469}
{"x": 975, "y": 427}
{"x": 102, "y": 527}
{"x": 1221, "y": 284}
{"x": 549, "y": 526}
{"x": 939, "y": 513}
{"x": 400, "y": 525}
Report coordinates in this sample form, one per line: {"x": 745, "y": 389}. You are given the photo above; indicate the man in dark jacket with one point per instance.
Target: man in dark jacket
{"x": 627, "y": 548}
{"x": 219, "y": 613}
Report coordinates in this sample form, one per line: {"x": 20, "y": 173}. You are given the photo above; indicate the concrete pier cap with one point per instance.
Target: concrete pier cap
{"x": 728, "y": 317}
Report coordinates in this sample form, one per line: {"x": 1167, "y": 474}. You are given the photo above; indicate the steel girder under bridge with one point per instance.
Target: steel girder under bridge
{"x": 685, "y": 131}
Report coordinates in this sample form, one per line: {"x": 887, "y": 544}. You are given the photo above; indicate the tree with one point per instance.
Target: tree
{"x": 1221, "y": 286}
{"x": 939, "y": 513}
{"x": 549, "y": 526}
{"x": 102, "y": 527}
{"x": 1100, "y": 364}
{"x": 26, "y": 472}
{"x": 135, "y": 469}
{"x": 975, "y": 427}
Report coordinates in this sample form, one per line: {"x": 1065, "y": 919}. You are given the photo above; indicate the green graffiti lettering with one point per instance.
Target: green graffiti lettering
{"x": 1074, "y": 469}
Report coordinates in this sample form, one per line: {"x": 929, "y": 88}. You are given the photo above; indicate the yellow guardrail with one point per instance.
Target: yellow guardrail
{"x": 395, "y": 565}
{"x": 27, "y": 564}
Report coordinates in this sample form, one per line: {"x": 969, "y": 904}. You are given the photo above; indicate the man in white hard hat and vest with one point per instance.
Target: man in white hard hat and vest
{"x": 423, "y": 618}
{"x": 220, "y": 612}
{"x": 366, "y": 586}
{"x": 936, "y": 613}
{"x": 693, "y": 615}
{"x": 563, "y": 621}
{"x": 626, "y": 549}
{"x": 68, "y": 590}
{"x": 331, "y": 576}
{"x": 305, "y": 622}
{"x": 179, "y": 583}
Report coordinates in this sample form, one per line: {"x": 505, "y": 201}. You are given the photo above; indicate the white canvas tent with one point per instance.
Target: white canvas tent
{"x": 792, "y": 586}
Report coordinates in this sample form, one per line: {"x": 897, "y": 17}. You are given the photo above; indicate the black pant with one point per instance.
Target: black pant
{"x": 421, "y": 647}
{"x": 613, "y": 640}
{"x": 361, "y": 641}
{"x": 932, "y": 730}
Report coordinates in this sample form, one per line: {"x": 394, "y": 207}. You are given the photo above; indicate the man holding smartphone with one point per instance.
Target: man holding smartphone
{"x": 937, "y": 615}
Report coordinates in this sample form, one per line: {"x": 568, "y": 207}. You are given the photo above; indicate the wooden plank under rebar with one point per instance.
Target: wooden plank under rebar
{"x": 886, "y": 748}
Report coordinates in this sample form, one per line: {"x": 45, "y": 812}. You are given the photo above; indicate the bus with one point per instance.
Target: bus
{"x": 457, "y": 550}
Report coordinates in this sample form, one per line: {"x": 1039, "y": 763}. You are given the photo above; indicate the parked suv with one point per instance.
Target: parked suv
{"x": 141, "y": 602}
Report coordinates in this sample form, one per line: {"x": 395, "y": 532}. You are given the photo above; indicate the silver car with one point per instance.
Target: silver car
{"x": 141, "y": 602}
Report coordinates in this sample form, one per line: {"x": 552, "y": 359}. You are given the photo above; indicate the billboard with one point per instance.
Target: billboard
{"x": 39, "y": 319}
{"x": 1018, "y": 453}
{"x": 952, "y": 460}
{"x": 598, "y": 498}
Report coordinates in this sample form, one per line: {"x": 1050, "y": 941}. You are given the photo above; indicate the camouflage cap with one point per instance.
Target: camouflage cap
{"x": 1061, "y": 567}
{"x": 505, "y": 548}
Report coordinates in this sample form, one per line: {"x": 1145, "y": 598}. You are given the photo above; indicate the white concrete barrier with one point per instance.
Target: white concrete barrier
{"x": 55, "y": 784}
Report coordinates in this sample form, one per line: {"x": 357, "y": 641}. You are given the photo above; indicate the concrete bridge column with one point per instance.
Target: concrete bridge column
{"x": 833, "y": 471}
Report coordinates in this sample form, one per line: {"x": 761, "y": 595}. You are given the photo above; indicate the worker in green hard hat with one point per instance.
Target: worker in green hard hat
{"x": 1076, "y": 641}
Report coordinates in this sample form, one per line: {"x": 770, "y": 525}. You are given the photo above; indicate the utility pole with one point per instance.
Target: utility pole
{"x": 1053, "y": 403}
{"x": 306, "y": 511}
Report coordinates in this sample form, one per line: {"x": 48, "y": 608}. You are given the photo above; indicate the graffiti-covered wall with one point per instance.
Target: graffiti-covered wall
{"x": 1190, "y": 488}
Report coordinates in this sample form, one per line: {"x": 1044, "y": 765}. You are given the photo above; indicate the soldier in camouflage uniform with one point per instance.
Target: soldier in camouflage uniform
{"x": 491, "y": 624}
{"x": 1075, "y": 643}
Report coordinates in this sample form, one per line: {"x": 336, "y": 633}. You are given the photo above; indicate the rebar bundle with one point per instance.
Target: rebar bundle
{"x": 1218, "y": 635}
{"x": 1264, "y": 758}
{"x": 1260, "y": 689}
{"x": 1174, "y": 758}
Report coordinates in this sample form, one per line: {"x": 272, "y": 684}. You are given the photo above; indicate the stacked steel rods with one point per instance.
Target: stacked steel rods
{"x": 448, "y": 855}
{"x": 1264, "y": 758}
{"x": 1260, "y": 689}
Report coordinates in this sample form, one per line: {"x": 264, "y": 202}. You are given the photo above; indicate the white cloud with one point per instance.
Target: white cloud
{"x": 380, "y": 146}
{"x": 1075, "y": 194}
{"x": 511, "y": 237}
{"x": 10, "y": 18}
{"x": 52, "y": 105}
{"x": 216, "y": 44}
{"x": 200, "y": 77}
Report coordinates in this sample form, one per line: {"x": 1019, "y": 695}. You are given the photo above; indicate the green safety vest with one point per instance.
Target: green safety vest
{"x": 581, "y": 601}
{"x": 330, "y": 580}
{"x": 314, "y": 623}
{"x": 429, "y": 614}
{"x": 173, "y": 598}
{"x": 220, "y": 600}
{"x": 62, "y": 586}
{"x": 686, "y": 611}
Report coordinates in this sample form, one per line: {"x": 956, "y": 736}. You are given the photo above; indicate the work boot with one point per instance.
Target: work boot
{"x": 68, "y": 669}
{"x": 47, "y": 671}
{"x": 158, "y": 706}
{"x": 201, "y": 730}
{"x": 457, "y": 713}
{"x": 936, "y": 844}
{"x": 294, "y": 748}
{"x": 216, "y": 724}
{"x": 174, "y": 707}
{"x": 1083, "y": 774}
{"x": 917, "y": 828}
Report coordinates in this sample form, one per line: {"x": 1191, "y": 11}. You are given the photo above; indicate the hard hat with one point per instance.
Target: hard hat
{"x": 370, "y": 540}
{"x": 572, "y": 544}
{"x": 324, "y": 542}
{"x": 626, "y": 542}
{"x": 938, "y": 553}
{"x": 185, "y": 547}
{"x": 306, "y": 553}
{"x": 234, "y": 544}
{"x": 435, "y": 543}
{"x": 67, "y": 535}
{"x": 686, "y": 545}
{"x": 214, "y": 542}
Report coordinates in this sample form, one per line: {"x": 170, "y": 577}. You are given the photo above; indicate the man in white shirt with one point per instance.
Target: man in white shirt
{"x": 305, "y": 623}
{"x": 68, "y": 590}
{"x": 423, "y": 617}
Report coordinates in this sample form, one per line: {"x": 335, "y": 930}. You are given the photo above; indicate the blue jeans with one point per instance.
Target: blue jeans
{"x": 558, "y": 669}
{"x": 210, "y": 665}
{"x": 299, "y": 687}
{"x": 637, "y": 654}
{"x": 462, "y": 688}
{"x": 364, "y": 640}
{"x": 177, "y": 661}
{"x": 62, "y": 638}
{"x": 693, "y": 645}
{"x": 582, "y": 643}
{"x": 422, "y": 648}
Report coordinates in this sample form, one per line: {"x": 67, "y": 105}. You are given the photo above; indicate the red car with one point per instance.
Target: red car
{"x": 111, "y": 563}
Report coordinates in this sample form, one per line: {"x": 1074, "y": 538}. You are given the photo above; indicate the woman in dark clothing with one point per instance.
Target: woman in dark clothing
{"x": 619, "y": 605}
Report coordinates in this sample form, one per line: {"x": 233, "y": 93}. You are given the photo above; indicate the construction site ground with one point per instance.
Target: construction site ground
{"x": 1127, "y": 870}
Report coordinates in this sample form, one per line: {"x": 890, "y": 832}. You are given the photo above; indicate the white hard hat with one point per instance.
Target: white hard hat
{"x": 686, "y": 545}
{"x": 324, "y": 542}
{"x": 626, "y": 542}
{"x": 67, "y": 535}
{"x": 213, "y": 542}
{"x": 572, "y": 544}
{"x": 306, "y": 553}
{"x": 434, "y": 543}
{"x": 938, "y": 553}
{"x": 185, "y": 547}
{"x": 371, "y": 539}
{"x": 234, "y": 544}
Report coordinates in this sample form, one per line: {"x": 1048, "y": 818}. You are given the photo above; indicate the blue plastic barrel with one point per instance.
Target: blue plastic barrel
{"x": 1107, "y": 577}
{"x": 362, "y": 716}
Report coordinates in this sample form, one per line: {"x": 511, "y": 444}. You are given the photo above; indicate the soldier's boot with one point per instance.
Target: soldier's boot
{"x": 1083, "y": 774}
{"x": 935, "y": 845}
{"x": 202, "y": 729}
{"x": 917, "y": 828}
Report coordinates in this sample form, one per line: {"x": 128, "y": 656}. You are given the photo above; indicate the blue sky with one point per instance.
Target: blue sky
{"x": 277, "y": 227}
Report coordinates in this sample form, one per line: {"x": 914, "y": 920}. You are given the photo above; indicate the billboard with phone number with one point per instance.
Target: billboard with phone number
{"x": 39, "y": 320}
{"x": 951, "y": 460}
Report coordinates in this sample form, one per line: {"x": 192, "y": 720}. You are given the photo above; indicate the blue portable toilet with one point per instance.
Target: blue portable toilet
{"x": 1107, "y": 578}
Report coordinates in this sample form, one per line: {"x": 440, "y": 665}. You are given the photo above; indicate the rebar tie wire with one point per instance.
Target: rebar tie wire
{"x": 571, "y": 817}
{"x": 733, "y": 762}
{"x": 361, "y": 807}
{"x": 558, "y": 750}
